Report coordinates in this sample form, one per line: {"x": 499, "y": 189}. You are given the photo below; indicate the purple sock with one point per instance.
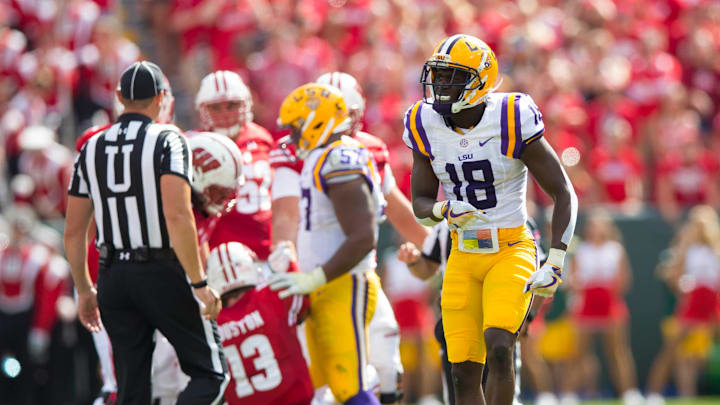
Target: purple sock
{"x": 363, "y": 398}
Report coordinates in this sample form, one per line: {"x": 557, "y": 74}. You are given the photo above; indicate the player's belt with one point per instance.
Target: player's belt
{"x": 109, "y": 254}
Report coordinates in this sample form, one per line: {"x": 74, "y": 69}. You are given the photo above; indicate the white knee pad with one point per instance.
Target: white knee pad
{"x": 385, "y": 345}
{"x": 168, "y": 380}
{"x": 104, "y": 352}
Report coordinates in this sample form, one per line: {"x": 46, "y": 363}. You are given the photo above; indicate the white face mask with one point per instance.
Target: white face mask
{"x": 303, "y": 154}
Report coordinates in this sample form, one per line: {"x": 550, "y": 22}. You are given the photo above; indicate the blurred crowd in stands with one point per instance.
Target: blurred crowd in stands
{"x": 629, "y": 91}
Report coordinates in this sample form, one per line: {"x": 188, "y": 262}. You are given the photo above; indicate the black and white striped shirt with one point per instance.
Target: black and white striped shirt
{"x": 438, "y": 243}
{"x": 120, "y": 169}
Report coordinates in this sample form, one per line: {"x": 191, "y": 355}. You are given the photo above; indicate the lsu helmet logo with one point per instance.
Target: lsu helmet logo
{"x": 313, "y": 112}
{"x": 312, "y": 102}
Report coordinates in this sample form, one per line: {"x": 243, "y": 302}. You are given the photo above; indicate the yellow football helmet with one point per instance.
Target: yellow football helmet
{"x": 313, "y": 112}
{"x": 459, "y": 62}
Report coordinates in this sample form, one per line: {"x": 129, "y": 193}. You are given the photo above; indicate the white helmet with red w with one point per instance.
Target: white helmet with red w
{"x": 224, "y": 103}
{"x": 232, "y": 265}
{"x": 351, "y": 92}
{"x": 216, "y": 171}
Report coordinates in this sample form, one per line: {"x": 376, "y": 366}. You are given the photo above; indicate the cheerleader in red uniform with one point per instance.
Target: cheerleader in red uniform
{"x": 599, "y": 277}
{"x": 694, "y": 273}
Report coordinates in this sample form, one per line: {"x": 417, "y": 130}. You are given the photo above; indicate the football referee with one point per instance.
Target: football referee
{"x": 135, "y": 176}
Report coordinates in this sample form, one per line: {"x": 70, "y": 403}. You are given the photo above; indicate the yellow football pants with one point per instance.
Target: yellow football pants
{"x": 485, "y": 290}
{"x": 337, "y": 333}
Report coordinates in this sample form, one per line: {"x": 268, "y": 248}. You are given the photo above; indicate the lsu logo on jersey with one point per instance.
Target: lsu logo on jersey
{"x": 483, "y": 165}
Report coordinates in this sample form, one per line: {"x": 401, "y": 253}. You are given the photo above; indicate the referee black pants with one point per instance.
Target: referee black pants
{"x": 135, "y": 299}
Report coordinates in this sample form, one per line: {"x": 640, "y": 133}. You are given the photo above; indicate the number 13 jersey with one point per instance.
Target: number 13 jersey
{"x": 481, "y": 166}
{"x": 260, "y": 343}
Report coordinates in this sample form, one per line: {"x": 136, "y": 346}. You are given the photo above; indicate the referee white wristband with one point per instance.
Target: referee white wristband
{"x": 556, "y": 257}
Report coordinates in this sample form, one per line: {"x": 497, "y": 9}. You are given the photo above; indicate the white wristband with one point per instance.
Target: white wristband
{"x": 318, "y": 276}
{"x": 437, "y": 209}
{"x": 556, "y": 257}
{"x": 427, "y": 221}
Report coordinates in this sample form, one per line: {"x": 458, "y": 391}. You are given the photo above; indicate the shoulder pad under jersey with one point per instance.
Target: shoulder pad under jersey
{"x": 414, "y": 134}
{"x": 343, "y": 161}
{"x": 520, "y": 124}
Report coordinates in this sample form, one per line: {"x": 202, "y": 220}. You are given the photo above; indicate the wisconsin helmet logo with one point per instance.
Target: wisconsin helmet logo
{"x": 203, "y": 161}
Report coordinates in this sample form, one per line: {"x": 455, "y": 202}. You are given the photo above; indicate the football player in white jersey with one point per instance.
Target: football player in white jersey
{"x": 340, "y": 206}
{"x": 479, "y": 145}
{"x": 384, "y": 329}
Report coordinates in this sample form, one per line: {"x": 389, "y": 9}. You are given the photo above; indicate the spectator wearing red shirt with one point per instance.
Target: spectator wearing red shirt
{"x": 616, "y": 166}
{"x": 32, "y": 279}
{"x": 49, "y": 165}
{"x": 102, "y": 62}
{"x": 687, "y": 176}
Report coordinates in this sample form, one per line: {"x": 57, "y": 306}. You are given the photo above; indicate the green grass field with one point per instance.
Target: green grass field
{"x": 694, "y": 401}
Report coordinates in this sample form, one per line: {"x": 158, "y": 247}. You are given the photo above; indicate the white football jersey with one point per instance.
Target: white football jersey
{"x": 481, "y": 166}
{"x": 320, "y": 234}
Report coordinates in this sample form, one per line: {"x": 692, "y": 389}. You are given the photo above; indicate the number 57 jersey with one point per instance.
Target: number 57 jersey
{"x": 259, "y": 338}
{"x": 320, "y": 234}
{"x": 481, "y": 166}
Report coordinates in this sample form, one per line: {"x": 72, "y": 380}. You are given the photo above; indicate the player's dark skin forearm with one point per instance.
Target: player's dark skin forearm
{"x": 424, "y": 186}
{"x": 355, "y": 212}
{"x": 544, "y": 165}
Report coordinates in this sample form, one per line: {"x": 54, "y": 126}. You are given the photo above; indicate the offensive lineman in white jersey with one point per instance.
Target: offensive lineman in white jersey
{"x": 341, "y": 204}
{"x": 384, "y": 329}
{"x": 479, "y": 145}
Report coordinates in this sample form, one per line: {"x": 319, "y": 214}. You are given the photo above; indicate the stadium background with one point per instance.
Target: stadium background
{"x": 629, "y": 90}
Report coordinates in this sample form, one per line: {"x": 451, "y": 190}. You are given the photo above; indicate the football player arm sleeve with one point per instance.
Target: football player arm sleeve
{"x": 354, "y": 208}
{"x": 545, "y": 167}
{"x": 424, "y": 185}
{"x": 286, "y": 196}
